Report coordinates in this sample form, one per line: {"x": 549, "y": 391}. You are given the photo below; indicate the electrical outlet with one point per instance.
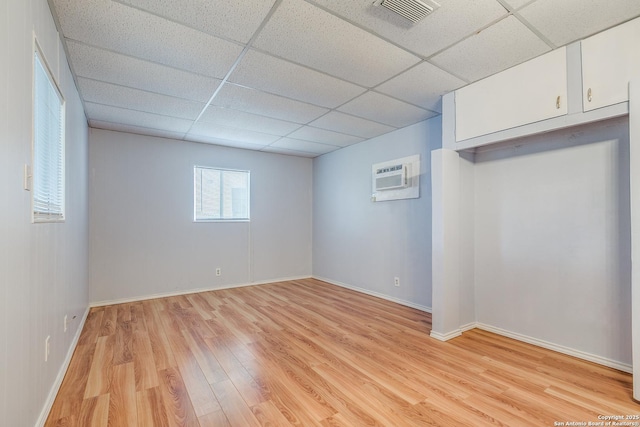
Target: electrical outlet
{"x": 47, "y": 347}
{"x": 396, "y": 281}
{"x": 218, "y": 271}
{"x": 66, "y": 323}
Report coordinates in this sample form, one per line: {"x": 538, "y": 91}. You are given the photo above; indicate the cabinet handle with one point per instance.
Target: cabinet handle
{"x": 558, "y": 102}
{"x": 589, "y": 97}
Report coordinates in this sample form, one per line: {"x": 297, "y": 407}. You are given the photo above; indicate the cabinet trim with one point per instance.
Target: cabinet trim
{"x": 556, "y": 123}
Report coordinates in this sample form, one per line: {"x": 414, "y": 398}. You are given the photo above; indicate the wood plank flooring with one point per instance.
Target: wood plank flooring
{"x": 306, "y": 353}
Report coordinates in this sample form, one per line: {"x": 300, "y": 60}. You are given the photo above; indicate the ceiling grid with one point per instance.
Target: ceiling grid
{"x": 299, "y": 77}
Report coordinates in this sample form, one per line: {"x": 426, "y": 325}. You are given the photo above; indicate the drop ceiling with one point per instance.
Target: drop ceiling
{"x": 299, "y": 77}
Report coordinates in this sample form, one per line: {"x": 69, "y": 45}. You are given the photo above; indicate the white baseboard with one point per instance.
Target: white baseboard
{"x": 447, "y": 336}
{"x": 61, "y": 373}
{"x": 468, "y": 327}
{"x": 559, "y": 348}
{"x": 376, "y": 294}
{"x": 191, "y": 291}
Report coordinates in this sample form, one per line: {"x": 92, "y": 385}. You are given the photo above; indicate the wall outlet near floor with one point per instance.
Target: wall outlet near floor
{"x": 218, "y": 271}
{"x": 66, "y": 323}
{"x": 47, "y": 347}
{"x": 396, "y": 281}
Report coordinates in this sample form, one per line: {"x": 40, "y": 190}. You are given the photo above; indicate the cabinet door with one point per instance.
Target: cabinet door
{"x": 609, "y": 61}
{"x": 533, "y": 91}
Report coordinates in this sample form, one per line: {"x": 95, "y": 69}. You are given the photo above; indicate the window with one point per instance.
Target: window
{"x": 221, "y": 195}
{"x": 48, "y": 146}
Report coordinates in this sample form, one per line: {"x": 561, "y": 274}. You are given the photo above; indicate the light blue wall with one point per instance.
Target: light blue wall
{"x": 43, "y": 267}
{"x": 552, "y": 239}
{"x": 364, "y": 245}
{"x": 143, "y": 238}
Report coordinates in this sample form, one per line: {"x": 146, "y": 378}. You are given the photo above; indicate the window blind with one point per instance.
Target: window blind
{"x": 48, "y": 147}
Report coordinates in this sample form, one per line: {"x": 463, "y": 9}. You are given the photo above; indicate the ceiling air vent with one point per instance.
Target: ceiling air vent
{"x": 413, "y": 10}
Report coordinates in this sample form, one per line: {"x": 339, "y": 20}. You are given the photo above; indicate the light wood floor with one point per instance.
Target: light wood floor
{"x": 307, "y": 353}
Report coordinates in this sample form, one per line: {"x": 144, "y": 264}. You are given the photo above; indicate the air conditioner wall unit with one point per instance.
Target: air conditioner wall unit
{"x": 393, "y": 177}
{"x": 396, "y": 179}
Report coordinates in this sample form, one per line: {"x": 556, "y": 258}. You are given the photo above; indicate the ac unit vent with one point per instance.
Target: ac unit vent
{"x": 392, "y": 177}
{"x": 413, "y": 10}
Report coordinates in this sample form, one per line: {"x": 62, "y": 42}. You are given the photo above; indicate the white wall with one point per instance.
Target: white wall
{"x": 43, "y": 267}
{"x": 143, "y": 238}
{"x": 364, "y": 245}
{"x": 445, "y": 243}
{"x": 552, "y": 245}
{"x": 466, "y": 256}
{"x": 634, "y": 215}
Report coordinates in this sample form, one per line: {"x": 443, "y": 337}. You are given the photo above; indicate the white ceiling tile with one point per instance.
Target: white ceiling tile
{"x": 127, "y": 30}
{"x": 106, "y": 113}
{"x": 134, "y": 99}
{"x": 503, "y": 45}
{"x": 324, "y": 136}
{"x": 352, "y": 125}
{"x": 276, "y": 150}
{"x": 237, "y": 19}
{"x": 135, "y": 129}
{"x": 306, "y": 146}
{"x": 516, "y": 4}
{"x": 565, "y": 21}
{"x": 310, "y": 36}
{"x": 422, "y": 85}
{"x": 454, "y": 20}
{"x": 270, "y": 74}
{"x": 242, "y": 120}
{"x": 265, "y": 104}
{"x": 214, "y": 131}
{"x": 381, "y": 108}
{"x": 149, "y": 66}
{"x": 99, "y": 64}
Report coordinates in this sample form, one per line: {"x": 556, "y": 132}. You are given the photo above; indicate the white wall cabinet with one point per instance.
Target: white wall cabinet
{"x": 530, "y": 92}
{"x": 609, "y": 61}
